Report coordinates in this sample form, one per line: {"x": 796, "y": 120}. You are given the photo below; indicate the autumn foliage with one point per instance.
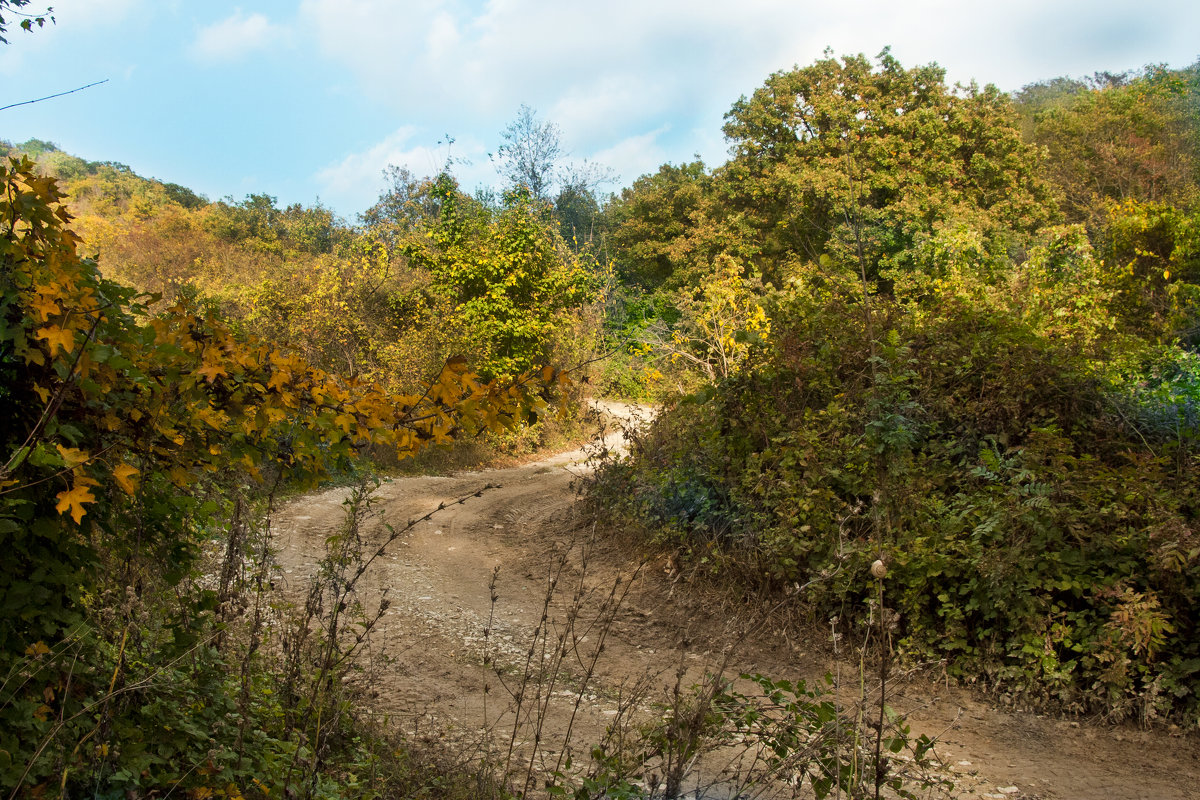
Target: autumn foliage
{"x": 126, "y": 431}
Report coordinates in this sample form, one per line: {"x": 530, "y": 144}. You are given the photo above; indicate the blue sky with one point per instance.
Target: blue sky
{"x": 303, "y": 99}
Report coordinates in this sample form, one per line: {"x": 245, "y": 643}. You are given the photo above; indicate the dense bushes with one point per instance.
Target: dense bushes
{"x": 1039, "y": 527}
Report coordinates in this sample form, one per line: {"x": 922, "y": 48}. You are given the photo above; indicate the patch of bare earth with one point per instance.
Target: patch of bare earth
{"x": 444, "y": 639}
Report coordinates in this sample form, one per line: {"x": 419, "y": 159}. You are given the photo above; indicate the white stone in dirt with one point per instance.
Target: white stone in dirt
{"x": 1008, "y": 789}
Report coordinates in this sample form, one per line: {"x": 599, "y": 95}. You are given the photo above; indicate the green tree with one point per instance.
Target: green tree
{"x": 581, "y": 220}
{"x": 844, "y": 158}
{"x": 407, "y": 203}
{"x": 510, "y": 278}
{"x": 656, "y": 225}
{"x": 1151, "y": 254}
{"x": 1132, "y": 138}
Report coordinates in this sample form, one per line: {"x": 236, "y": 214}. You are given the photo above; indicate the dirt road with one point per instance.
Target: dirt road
{"x": 451, "y": 659}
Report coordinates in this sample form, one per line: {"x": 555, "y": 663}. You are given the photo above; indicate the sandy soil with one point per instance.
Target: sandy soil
{"x": 448, "y": 660}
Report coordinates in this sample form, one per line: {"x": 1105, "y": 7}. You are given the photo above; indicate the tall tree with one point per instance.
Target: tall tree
{"x": 530, "y": 153}
{"x": 510, "y": 278}
{"x": 657, "y": 222}
{"x": 577, "y": 205}
{"x": 843, "y": 157}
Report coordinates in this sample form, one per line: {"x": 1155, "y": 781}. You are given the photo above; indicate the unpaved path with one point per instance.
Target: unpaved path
{"x": 444, "y": 635}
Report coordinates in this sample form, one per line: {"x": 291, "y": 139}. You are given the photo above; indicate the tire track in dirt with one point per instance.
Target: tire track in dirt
{"x": 429, "y": 672}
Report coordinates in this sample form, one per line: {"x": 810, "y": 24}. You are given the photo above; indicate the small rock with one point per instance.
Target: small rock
{"x": 1008, "y": 789}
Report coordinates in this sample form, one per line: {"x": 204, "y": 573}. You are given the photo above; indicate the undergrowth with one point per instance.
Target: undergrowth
{"x": 1030, "y": 485}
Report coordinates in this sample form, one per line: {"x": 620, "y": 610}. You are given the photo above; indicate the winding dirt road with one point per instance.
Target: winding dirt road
{"x": 447, "y": 658}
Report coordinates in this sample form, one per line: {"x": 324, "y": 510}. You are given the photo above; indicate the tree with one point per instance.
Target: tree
{"x": 577, "y": 205}
{"x": 510, "y": 278}
{"x": 530, "y": 153}
{"x": 843, "y": 159}
{"x": 656, "y": 222}
{"x": 407, "y": 203}
{"x": 718, "y": 322}
{"x": 1128, "y": 139}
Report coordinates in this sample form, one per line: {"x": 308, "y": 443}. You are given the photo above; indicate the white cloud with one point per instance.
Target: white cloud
{"x": 357, "y": 180}
{"x": 443, "y": 36}
{"x": 656, "y": 76}
{"x": 635, "y": 155}
{"x": 235, "y": 37}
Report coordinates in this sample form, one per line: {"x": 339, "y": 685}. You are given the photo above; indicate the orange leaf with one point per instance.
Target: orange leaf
{"x": 73, "y": 501}
{"x": 212, "y": 371}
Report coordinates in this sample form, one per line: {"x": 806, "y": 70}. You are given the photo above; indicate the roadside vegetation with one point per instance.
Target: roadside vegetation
{"x": 960, "y": 339}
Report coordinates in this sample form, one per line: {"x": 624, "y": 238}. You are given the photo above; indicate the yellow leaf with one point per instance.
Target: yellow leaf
{"x": 212, "y": 371}
{"x": 37, "y": 649}
{"x": 45, "y": 307}
{"x": 57, "y": 338}
{"x": 122, "y": 474}
{"x": 73, "y": 456}
{"x": 279, "y": 380}
{"x": 42, "y": 392}
{"x": 73, "y": 501}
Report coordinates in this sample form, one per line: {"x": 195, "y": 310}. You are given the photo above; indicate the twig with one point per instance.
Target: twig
{"x": 52, "y": 96}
